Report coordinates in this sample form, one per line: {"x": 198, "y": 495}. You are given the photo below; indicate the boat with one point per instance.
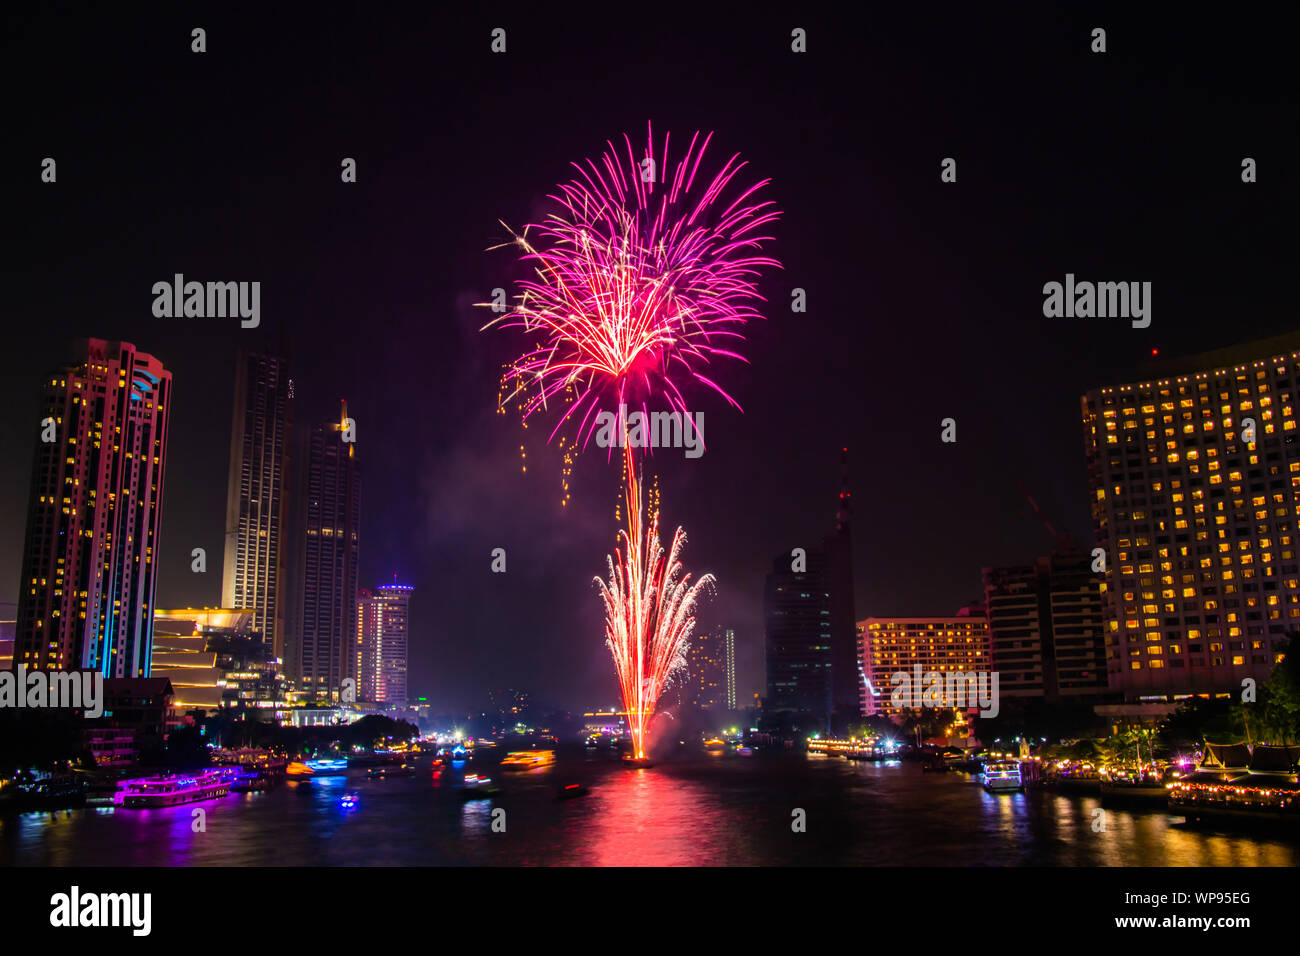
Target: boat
{"x": 715, "y": 746}
{"x": 298, "y": 769}
{"x": 478, "y": 788}
{"x": 1267, "y": 792}
{"x": 636, "y": 763}
{"x": 349, "y": 801}
{"x": 329, "y": 766}
{"x": 169, "y": 791}
{"x": 571, "y": 790}
{"x": 399, "y": 770}
{"x": 528, "y": 759}
{"x": 1002, "y": 776}
{"x": 43, "y": 796}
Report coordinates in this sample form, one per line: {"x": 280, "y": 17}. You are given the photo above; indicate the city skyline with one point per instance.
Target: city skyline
{"x": 951, "y": 322}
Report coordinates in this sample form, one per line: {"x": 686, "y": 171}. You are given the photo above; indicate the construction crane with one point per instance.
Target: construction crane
{"x": 1062, "y": 539}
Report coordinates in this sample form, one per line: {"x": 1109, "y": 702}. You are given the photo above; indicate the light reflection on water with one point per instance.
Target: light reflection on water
{"x": 727, "y": 810}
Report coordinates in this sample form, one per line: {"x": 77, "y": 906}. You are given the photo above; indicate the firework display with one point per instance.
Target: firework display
{"x": 642, "y": 280}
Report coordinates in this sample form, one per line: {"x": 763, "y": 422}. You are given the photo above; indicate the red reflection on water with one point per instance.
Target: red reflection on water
{"x": 646, "y": 818}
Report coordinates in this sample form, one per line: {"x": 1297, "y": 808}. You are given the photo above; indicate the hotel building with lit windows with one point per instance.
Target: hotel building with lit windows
{"x": 1197, "y": 520}
{"x": 383, "y": 634}
{"x": 91, "y": 553}
{"x": 890, "y": 645}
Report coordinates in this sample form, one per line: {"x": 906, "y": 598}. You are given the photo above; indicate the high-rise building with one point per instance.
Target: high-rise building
{"x": 8, "y": 625}
{"x": 91, "y": 554}
{"x": 1046, "y": 628}
{"x": 797, "y": 619}
{"x": 811, "y": 637}
{"x": 705, "y": 671}
{"x": 383, "y": 628}
{"x": 729, "y": 666}
{"x": 256, "y": 510}
{"x": 326, "y": 655}
{"x": 894, "y": 645}
{"x": 1194, "y": 475}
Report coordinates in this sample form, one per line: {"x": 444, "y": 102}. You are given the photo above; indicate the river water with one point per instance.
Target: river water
{"x": 707, "y": 810}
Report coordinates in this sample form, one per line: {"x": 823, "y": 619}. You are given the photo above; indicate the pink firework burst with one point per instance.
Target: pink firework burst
{"x": 644, "y": 277}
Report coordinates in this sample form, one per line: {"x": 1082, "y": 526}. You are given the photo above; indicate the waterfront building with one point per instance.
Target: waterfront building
{"x": 383, "y": 635}
{"x": 729, "y": 667}
{"x": 810, "y": 633}
{"x": 325, "y": 654}
{"x": 1046, "y": 628}
{"x": 1194, "y": 476}
{"x": 256, "y": 506}
{"x": 91, "y": 552}
{"x": 898, "y": 645}
{"x": 705, "y": 671}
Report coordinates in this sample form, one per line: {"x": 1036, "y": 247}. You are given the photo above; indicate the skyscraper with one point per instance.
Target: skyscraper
{"x": 383, "y": 628}
{"x": 797, "y": 618}
{"x": 705, "y": 674}
{"x": 256, "y": 510}
{"x": 331, "y": 519}
{"x": 1195, "y": 474}
{"x": 91, "y": 553}
{"x": 1046, "y": 628}
{"x": 811, "y": 637}
{"x": 729, "y": 666}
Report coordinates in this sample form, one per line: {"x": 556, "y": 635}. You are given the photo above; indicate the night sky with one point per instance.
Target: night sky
{"x": 925, "y": 298}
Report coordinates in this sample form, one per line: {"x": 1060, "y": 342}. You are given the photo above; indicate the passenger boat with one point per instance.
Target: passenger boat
{"x": 1002, "y": 776}
{"x": 715, "y": 746}
{"x": 1146, "y": 784}
{"x": 478, "y": 788}
{"x": 528, "y": 759}
{"x": 153, "y": 792}
{"x": 395, "y": 770}
{"x": 1267, "y": 792}
{"x": 329, "y": 766}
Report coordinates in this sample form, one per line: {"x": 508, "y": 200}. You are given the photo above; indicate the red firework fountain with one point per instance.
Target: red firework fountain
{"x": 642, "y": 282}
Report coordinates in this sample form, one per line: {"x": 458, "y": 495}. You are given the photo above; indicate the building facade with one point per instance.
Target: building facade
{"x": 383, "y": 637}
{"x": 330, "y": 554}
{"x": 1046, "y": 628}
{"x": 1194, "y": 476}
{"x": 706, "y": 671}
{"x": 92, "y": 543}
{"x": 256, "y": 509}
{"x": 898, "y": 645}
{"x": 729, "y": 667}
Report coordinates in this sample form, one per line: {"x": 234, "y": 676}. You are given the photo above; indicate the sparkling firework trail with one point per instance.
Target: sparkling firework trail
{"x": 641, "y": 282}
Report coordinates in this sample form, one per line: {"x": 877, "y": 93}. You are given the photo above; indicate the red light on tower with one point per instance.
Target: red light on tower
{"x": 1155, "y": 352}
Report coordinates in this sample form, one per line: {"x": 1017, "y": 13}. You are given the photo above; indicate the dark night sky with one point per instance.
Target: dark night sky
{"x": 924, "y": 298}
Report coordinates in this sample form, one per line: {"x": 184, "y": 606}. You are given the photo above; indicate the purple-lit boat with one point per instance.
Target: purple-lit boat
{"x": 170, "y": 791}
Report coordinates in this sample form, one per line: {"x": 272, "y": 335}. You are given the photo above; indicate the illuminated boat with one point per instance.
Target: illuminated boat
{"x": 397, "y": 770}
{"x": 636, "y": 763}
{"x": 571, "y": 790}
{"x": 478, "y": 788}
{"x": 328, "y": 766}
{"x": 528, "y": 759}
{"x": 154, "y": 792}
{"x": 1268, "y": 792}
{"x": 715, "y": 746}
{"x": 298, "y": 769}
{"x": 1002, "y": 776}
